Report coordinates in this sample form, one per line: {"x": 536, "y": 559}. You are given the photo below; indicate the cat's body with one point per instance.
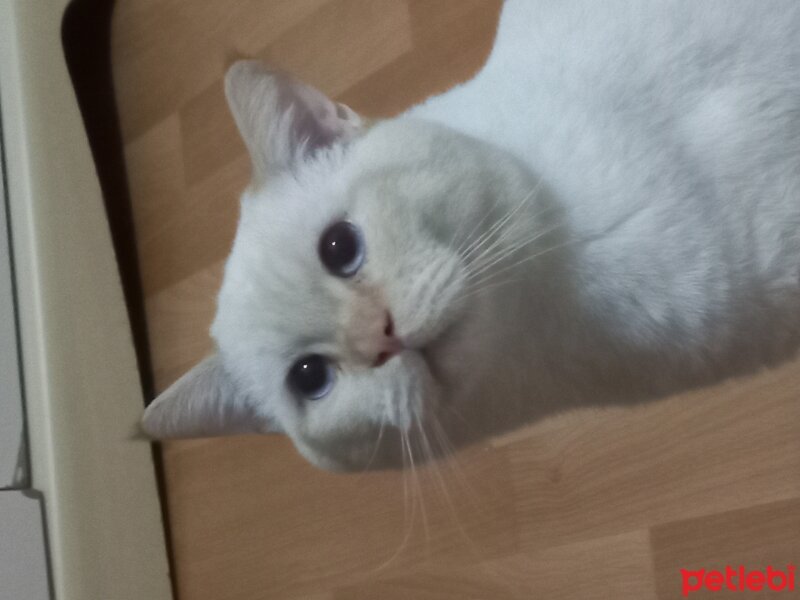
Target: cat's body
{"x": 669, "y": 134}
{"x": 608, "y": 212}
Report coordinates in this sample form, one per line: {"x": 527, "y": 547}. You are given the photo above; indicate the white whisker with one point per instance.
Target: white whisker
{"x": 511, "y": 250}
{"x": 473, "y": 291}
{"x": 499, "y": 224}
{"x": 453, "y": 463}
{"x": 408, "y": 524}
{"x": 433, "y": 464}
{"x": 423, "y": 512}
{"x": 527, "y": 259}
{"x": 376, "y": 447}
{"x": 466, "y": 241}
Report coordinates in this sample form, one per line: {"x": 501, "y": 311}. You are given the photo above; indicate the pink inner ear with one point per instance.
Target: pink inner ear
{"x": 281, "y": 119}
{"x": 319, "y": 121}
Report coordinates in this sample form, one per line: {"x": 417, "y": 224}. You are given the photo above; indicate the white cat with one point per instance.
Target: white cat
{"x": 608, "y": 212}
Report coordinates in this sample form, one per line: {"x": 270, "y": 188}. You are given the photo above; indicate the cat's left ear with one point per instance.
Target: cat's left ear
{"x": 204, "y": 402}
{"x": 283, "y": 120}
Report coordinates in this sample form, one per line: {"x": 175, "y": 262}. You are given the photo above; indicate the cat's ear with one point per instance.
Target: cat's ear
{"x": 281, "y": 119}
{"x": 204, "y": 402}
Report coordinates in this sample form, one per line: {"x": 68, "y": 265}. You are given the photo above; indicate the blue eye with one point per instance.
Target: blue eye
{"x": 341, "y": 249}
{"x": 311, "y": 376}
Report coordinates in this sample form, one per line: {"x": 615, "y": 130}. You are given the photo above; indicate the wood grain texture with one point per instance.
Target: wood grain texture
{"x": 592, "y": 504}
{"x": 756, "y": 536}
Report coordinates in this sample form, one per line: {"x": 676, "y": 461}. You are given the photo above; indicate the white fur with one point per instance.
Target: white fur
{"x": 647, "y": 155}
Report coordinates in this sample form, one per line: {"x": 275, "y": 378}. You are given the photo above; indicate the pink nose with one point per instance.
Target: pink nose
{"x": 389, "y": 345}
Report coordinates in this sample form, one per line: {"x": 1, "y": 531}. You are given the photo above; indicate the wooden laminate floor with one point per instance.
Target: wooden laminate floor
{"x": 594, "y": 504}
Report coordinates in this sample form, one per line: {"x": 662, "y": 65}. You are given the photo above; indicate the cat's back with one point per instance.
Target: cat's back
{"x": 619, "y": 103}
{"x": 678, "y": 101}
{"x": 670, "y": 132}
{"x": 620, "y": 42}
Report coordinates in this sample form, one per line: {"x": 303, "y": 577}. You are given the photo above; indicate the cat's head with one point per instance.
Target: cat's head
{"x": 341, "y": 317}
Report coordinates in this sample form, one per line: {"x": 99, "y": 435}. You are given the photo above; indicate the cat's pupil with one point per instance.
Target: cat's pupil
{"x": 341, "y": 249}
{"x": 311, "y": 376}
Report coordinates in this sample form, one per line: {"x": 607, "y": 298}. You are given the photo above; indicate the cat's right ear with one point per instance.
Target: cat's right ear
{"x": 204, "y": 402}
{"x": 282, "y": 120}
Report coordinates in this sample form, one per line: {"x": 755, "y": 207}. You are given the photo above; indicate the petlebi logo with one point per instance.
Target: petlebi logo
{"x": 739, "y": 579}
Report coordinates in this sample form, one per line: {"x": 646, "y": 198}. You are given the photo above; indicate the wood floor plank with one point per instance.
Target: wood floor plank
{"x": 597, "y": 472}
{"x": 197, "y": 235}
{"x": 615, "y": 567}
{"x": 248, "y": 510}
{"x": 754, "y": 537}
{"x": 209, "y": 138}
{"x": 437, "y": 62}
{"x": 358, "y": 36}
{"x": 155, "y": 178}
{"x": 165, "y": 52}
{"x": 178, "y": 321}
{"x": 146, "y": 35}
